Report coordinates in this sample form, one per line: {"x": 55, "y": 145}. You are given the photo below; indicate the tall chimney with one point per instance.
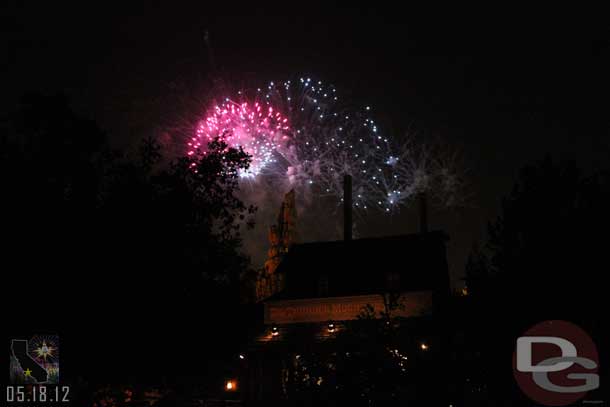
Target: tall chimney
{"x": 423, "y": 213}
{"x": 347, "y": 207}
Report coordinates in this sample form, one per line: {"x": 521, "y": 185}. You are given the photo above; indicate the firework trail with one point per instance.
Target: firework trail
{"x": 302, "y": 136}
{"x": 259, "y": 130}
{"x": 331, "y": 139}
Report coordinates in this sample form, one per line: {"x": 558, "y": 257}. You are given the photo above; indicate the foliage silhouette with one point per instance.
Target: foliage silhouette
{"x": 120, "y": 245}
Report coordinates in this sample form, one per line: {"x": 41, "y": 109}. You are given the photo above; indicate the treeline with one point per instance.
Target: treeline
{"x": 124, "y": 251}
{"x": 545, "y": 258}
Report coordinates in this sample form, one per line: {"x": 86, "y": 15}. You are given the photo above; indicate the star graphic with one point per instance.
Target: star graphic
{"x": 44, "y": 351}
{"x": 28, "y": 373}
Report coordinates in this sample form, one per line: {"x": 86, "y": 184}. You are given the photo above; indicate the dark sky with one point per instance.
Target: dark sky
{"x": 504, "y": 85}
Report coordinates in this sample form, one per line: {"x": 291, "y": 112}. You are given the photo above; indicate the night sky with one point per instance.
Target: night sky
{"x": 505, "y": 86}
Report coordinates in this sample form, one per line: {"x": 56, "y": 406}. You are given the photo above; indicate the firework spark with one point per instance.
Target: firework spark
{"x": 259, "y": 130}
{"x": 45, "y": 351}
{"x": 303, "y": 136}
{"x": 45, "y": 347}
{"x": 330, "y": 139}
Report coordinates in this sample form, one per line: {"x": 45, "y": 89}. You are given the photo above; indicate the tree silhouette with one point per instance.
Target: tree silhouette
{"x": 541, "y": 247}
{"x": 120, "y": 245}
{"x": 541, "y": 262}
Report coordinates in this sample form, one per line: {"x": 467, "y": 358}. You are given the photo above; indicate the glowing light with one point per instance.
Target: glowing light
{"x": 231, "y": 385}
{"x": 45, "y": 351}
{"x": 423, "y": 346}
{"x": 258, "y": 129}
{"x": 302, "y": 139}
{"x": 400, "y": 359}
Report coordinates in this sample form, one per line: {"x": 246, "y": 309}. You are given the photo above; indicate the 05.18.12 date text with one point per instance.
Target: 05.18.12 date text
{"x": 37, "y": 395}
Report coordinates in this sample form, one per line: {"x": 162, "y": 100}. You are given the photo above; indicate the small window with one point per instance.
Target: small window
{"x": 323, "y": 285}
{"x": 392, "y": 280}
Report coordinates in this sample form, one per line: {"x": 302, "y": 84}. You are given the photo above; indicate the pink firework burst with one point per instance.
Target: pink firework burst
{"x": 258, "y": 128}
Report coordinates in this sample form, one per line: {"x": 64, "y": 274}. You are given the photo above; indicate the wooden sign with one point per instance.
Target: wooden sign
{"x": 343, "y": 308}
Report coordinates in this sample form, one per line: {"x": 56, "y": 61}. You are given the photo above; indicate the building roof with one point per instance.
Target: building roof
{"x": 365, "y": 266}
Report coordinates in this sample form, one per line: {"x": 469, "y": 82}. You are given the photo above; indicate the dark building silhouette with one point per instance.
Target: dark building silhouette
{"x": 325, "y": 289}
{"x": 366, "y": 266}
